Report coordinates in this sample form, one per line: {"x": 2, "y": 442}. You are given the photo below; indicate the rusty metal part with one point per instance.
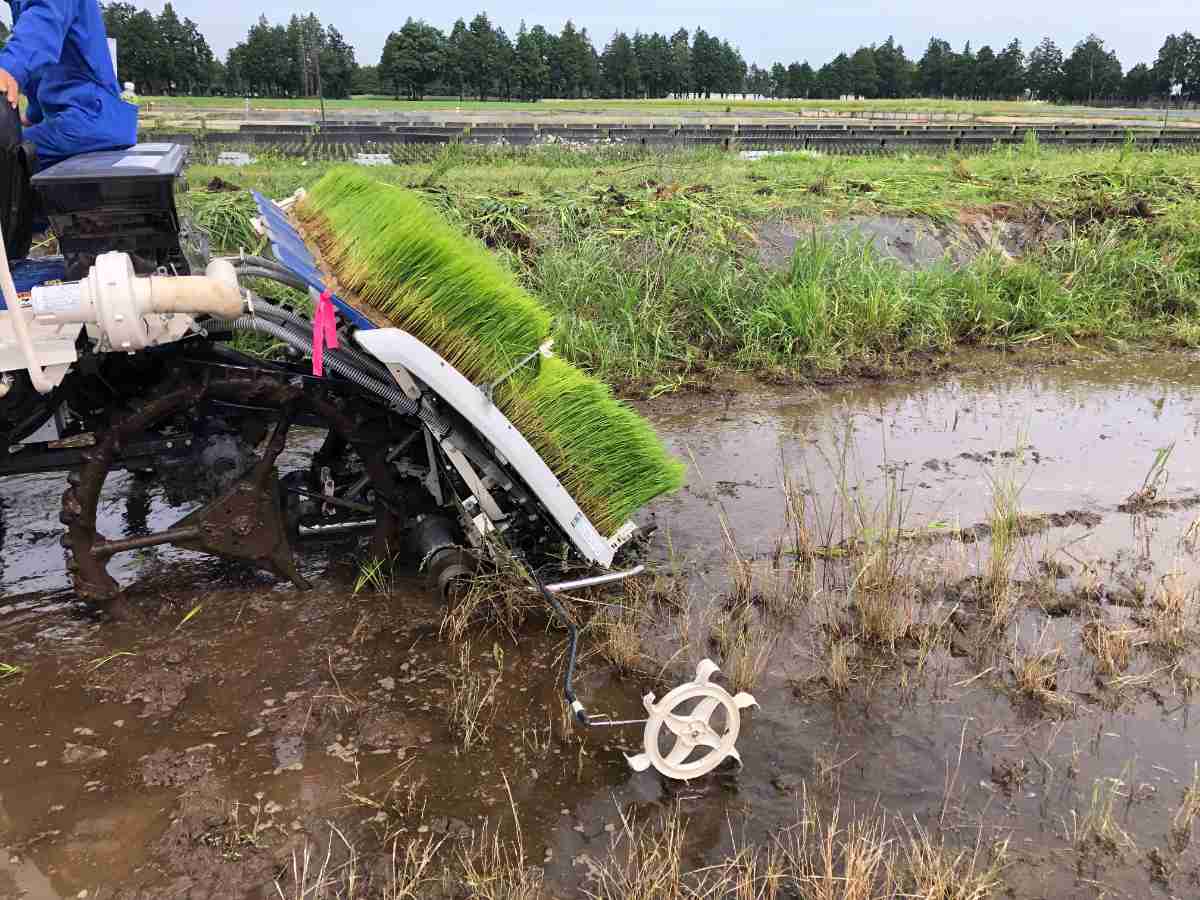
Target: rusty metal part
{"x": 245, "y": 522}
{"x": 82, "y": 496}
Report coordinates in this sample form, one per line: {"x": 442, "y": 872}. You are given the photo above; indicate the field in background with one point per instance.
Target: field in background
{"x": 714, "y": 108}
{"x": 672, "y": 270}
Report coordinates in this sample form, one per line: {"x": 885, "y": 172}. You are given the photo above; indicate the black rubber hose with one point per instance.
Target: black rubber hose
{"x": 555, "y": 604}
{"x": 303, "y": 329}
{"x": 261, "y": 262}
{"x": 283, "y": 276}
{"x": 338, "y": 364}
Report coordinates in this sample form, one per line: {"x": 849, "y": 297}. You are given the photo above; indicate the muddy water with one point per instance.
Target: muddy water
{"x": 167, "y": 758}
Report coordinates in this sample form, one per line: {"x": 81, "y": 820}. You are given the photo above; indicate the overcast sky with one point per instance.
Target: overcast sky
{"x": 764, "y": 30}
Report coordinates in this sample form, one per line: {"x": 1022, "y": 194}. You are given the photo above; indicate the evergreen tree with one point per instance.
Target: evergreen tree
{"x": 864, "y": 75}
{"x": 532, "y": 73}
{"x": 456, "y": 56}
{"x": 619, "y": 67}
{"x": 934, "y": 69}
{"x": 1139, "y": 85}
{"x": 1091, "y": 72}
{"x": 1009, "y": 77}
{"x": 801, "y": 80}
{"x": 894, "y": 68}
{"x": 1044, "y": 75}
{"x": 412, "y": 59}
{"x": 681, "y": 63}
{"x": 481, "y": 56}
{"x": 779, "y": 81}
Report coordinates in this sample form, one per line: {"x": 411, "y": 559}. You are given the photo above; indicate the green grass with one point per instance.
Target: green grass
{"x": 640, "y": 108}
{"x": 395, "y": 255}
{"x": 650, "y": 269}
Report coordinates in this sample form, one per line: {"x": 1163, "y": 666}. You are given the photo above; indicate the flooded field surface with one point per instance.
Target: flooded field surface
{"x": 965, "y": 606}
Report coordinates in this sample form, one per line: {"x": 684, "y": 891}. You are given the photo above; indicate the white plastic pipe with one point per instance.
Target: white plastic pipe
{"x": 20, "y": 327}
{"x": 118, "y": 301}
{"x": 191, "y": 294}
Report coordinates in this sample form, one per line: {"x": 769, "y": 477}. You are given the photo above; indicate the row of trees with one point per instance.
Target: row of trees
{"x": 292, "y": 61}
{"x": 1090, "y": 73}
{"x": 479, "y": 59}
{"x": 166, "y": 54}
{"x": 161, "y": 54}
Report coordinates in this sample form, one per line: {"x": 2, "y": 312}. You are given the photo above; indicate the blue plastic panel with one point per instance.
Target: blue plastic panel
{"x": 288, "y": 247}
{"x": 29, "y": 273}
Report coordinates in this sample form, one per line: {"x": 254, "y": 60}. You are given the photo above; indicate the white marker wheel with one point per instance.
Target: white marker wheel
{"x": 693, "y": 729}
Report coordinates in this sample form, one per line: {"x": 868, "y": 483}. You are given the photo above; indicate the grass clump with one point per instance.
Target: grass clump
{"x": 471, "y": 708}
{"x": 395, "y": 255}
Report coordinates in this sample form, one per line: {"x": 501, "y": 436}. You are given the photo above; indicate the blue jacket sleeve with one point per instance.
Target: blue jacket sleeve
{"x": 37, "y": 38}
{"x": 33, "y": 109}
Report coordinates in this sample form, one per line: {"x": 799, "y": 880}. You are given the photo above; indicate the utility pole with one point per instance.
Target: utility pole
{"x": 320, "y": 88}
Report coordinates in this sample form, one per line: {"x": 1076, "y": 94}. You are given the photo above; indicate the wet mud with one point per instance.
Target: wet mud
{"x": 231, "y": 725}
{"x": 917, "y": 243}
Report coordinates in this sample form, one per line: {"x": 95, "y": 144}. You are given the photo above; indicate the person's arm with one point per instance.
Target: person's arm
{"x": 37, "y": 41}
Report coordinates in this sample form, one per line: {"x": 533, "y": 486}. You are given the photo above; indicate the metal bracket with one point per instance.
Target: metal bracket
{"x": 486, "y": 503}
{"x": 404, "y": 378}
{"x": 544, "y": 350}
{"x": 433, "y": 481}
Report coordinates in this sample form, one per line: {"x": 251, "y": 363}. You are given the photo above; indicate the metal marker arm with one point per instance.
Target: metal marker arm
{"x": 550, "y": 594}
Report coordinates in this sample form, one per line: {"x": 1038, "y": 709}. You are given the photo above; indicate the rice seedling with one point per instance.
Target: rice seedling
{"x": 495, "y": 869}
{"x": 1037, "y": 671}
{"x": 885, "y": 616}
{"x": 620, "y": 627}
{"x": 1185, "y": 815}
{"x": 8, "y": 670}
{"x": 1153, "y": 482}
{"x": 397, "y": 257}
{"x": 840, "y": 671}
{"x": 376, "y": 575}
{"x": 471, "y": 707}
{"x": 225, "y": 217}
{"x": 828, "y": 862}
{"x": 645, "y": 861}
{"x": 1112, "y": 647}
{"x": 1004, "y": 539}
{"x": 103, "y": 661}
{"x": 1098, "y": 826}
{"x": 1173, "y": 613}
{"x": 932, "y": 871}
{"x": 341, "y": 872}
{"x": 191, "y": 614}
{"x": 501, "y": 594}
{"x": 743, "y": 643}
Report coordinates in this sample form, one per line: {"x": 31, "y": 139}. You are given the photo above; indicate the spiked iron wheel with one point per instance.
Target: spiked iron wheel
{"x": 245, "y": 521}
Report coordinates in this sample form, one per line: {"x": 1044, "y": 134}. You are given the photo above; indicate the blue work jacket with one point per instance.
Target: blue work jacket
{"x": 58, "y": 54}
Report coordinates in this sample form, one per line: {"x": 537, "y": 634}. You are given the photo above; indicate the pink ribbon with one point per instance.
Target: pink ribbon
{"x": 324, "y": 331}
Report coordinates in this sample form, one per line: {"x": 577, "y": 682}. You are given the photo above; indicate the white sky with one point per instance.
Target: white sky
{"x": 765, "y": 30}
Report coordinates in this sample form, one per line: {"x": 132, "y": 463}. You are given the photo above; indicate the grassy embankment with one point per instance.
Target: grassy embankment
{"x": 652, "y": 265}
{"x": 716, "y": 106}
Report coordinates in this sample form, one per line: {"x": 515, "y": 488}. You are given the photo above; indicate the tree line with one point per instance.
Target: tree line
{"x": 169, "y": 55}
